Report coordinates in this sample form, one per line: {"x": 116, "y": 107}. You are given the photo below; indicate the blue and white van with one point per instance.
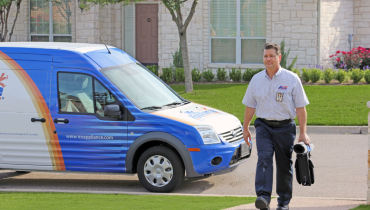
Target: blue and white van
{"x": 69, "y": 107}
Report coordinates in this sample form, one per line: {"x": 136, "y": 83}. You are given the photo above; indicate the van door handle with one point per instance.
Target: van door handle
{"x": 38, "y": 119}
{"x": 61, "y": 120}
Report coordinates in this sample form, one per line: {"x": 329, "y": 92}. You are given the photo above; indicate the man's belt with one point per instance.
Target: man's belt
{"x": 275, "y": 123}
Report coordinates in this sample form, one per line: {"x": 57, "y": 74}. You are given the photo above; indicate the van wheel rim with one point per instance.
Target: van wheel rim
{"x": 158, "y": 171}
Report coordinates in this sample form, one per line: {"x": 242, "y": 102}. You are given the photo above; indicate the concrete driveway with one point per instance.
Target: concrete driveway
{"x": 340, "y": 168}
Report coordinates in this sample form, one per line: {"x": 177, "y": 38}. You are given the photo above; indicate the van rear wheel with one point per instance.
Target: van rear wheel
{"x": 160, "y": 169}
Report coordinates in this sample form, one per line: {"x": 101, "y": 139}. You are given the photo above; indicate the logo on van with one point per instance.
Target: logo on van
{"x": 2, "y": 85}
{"x": 201, "y": 114}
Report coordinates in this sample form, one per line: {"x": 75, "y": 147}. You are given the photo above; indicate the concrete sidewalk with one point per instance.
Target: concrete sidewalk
{"x": 311, "y": 203}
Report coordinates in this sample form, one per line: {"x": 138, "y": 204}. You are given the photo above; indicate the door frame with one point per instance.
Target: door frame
{"x": 134, "y": 24}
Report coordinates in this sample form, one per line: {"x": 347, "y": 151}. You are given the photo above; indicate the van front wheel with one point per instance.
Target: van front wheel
{"x": 160, "y": 169}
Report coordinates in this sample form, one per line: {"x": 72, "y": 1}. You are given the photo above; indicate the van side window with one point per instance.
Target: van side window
{"x": 103, "y": 97}
{"x": 75, "y": 93}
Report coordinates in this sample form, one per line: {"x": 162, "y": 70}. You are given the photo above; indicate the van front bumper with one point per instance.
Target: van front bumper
{"x": 220, "y": 158}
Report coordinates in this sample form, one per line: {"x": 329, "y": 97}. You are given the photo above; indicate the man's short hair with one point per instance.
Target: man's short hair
{"x": 269, "y": 46}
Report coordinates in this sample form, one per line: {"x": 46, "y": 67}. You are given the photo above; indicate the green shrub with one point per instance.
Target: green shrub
{"x": 180, "y": 75}
{"x": 177, "y": 58}
{"x": 341, "y": 75}
{"x": 305, "y": 75}
{"x": 367, "y": 76}
{"x": 247, "y": 75}
{"x": 315, "y": 75}
{"x": 153, "y": 68}
{"x": 208, "y": 75}
{"x": 357, "y": 75}
{"x": 347, "y": 78}
{"x": 297, "y": 72}
{"x": 284, "y": 57}
{"x": 328, "y": 75}
{"x": 196, "y": 75}
{"x": 349, "y": 75}
{"x": 166, "y": 75}
{"x": 235, "y": 75}
{"x": 221, "y": 74}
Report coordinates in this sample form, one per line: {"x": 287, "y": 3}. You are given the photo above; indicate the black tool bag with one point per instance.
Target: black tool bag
{"x": 304, "y": 169}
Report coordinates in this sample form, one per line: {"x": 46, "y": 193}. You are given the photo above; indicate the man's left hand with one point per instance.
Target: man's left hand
{"x": 304, "y": 137}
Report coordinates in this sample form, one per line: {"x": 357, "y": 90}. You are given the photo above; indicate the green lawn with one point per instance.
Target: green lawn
{"x": 55, "y": 201}
{"x": 329, "y": 105}
{"x": 362, "y": 207}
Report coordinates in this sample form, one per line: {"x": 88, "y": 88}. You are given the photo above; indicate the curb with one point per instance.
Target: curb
{"x": 330, "y": 129}
{"x": 168, "y": 194}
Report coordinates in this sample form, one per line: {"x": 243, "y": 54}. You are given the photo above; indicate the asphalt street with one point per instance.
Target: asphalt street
{"x": 340, "y": 170}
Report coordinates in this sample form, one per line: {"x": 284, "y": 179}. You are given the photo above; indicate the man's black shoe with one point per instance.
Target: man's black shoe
{"x": 282, "y": 207}
{"x": 262, "y": 203}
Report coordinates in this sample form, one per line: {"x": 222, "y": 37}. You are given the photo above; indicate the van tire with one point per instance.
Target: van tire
{"x": 165, "y": 164}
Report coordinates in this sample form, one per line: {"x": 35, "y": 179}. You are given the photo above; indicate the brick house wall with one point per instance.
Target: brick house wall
{"x": 361, "y": 23}
{"x": 336, "y": 24}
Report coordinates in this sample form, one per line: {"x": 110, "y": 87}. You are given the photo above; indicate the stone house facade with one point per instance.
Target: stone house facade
{"x": 226, "y": 34}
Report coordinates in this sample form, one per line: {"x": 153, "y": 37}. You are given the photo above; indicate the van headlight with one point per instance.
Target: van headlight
{"x": 208, "y": 135}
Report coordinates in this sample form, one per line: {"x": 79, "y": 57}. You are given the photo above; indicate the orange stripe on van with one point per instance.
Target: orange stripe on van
{"x": 39, "y": 102}
{"x": 194, "y": 149}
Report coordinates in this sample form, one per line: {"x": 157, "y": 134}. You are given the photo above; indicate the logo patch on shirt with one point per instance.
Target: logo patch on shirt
{"x": 283, "y": 87}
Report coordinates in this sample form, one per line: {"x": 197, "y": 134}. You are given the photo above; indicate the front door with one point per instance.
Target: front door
{"x": 147, "y": 33}
{"x": 89, "y": 140}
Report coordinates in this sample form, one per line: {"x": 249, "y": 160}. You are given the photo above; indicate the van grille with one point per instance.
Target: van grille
{"x": 233, "y": 135}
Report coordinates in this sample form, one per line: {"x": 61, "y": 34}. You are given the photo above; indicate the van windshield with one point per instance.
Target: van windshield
{"x": 141, "y": 86}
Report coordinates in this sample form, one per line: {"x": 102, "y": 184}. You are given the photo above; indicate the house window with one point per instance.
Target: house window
{"x": 237, "y": 31}
{"x": 50, "y": 21}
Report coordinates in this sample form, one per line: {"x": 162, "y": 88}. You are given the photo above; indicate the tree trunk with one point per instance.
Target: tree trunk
{"x": 186, "y": 60}
{"x": 18, "y": 3}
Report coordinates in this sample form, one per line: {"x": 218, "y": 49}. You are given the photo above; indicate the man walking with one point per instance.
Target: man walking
{"x": 276, "y": 96}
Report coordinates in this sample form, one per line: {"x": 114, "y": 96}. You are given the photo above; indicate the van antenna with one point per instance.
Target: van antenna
{"x": 104, "y": 42}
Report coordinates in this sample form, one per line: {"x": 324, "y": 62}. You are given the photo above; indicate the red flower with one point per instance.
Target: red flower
{"x": 344, "y": 53}
{"x": 338, "y": 59}
{"x": 338, "y": 51}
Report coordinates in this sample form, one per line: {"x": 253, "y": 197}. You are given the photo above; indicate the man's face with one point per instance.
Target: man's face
{"x": 271, "y": 59}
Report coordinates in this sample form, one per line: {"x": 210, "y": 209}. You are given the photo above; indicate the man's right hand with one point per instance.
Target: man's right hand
{"x": 247, "y": 134}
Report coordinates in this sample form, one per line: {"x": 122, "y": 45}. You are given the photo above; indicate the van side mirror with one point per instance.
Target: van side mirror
{"x": 112, "y": 110}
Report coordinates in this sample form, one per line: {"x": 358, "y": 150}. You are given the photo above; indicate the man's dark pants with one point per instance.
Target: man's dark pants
{"x": 270, "y": 139}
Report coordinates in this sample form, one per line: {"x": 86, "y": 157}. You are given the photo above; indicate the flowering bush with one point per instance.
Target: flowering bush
{"x": 356, "y": 58}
